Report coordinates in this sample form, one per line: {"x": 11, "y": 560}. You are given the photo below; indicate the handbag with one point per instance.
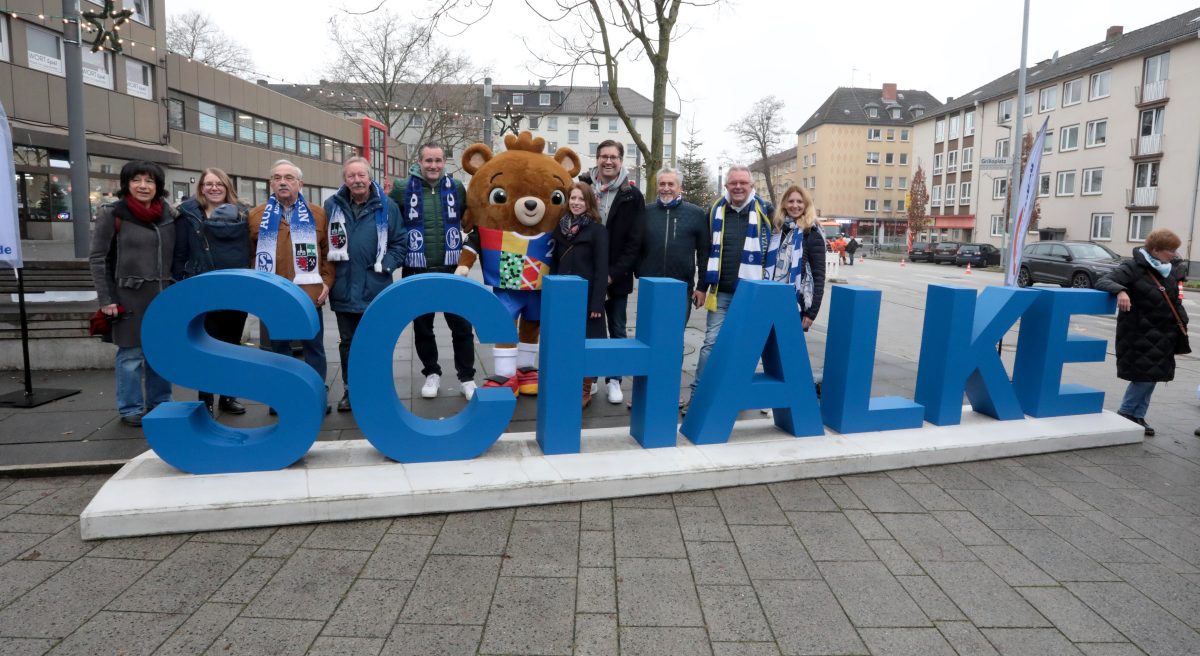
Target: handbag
{"x": 100, "y": 325}
{"x": 1183, "y": 345}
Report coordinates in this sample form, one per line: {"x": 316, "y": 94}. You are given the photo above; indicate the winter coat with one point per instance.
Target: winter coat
{"x": 355, "y": 282}
{"x": 814, "y": 254}
{"x": 202, "y": 245}
{"x": 852, "y": 246}
{"x": 285, "y": 266}
{"x": 130, "y": 265}
{"x": 585, "y": 256}
{"x": 431, "y": 212}
{"x": 676, "y": 244}
{"x": 1147, "y": 333}
{"x": 625, "y": 225}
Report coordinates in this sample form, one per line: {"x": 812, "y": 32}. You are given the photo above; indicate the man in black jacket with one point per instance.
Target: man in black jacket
{"x": 677, "y": 240}
{"x": 623, "y": 208}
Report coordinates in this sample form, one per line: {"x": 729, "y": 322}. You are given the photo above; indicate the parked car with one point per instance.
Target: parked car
{"x": 920, "y": 251}
{"x": 945, "y": 251}
{"x": 1066, "y": 263}
{"x": 979, "y": 255}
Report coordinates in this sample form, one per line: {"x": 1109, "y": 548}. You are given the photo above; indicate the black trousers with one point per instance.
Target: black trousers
{"x": 347, "y": 323}
{"x": 226, "y": 326}
{"x": 462, "y": 337}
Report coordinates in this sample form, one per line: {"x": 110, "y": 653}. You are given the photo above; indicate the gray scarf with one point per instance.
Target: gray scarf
{"x": 607, "y": 193}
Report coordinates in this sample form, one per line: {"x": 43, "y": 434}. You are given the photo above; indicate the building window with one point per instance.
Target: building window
{"x": 903, "y": 182}
{"x": 935, "y": 195}
{"x": 952, "y": 161}
{"x": 1047, "y": 99}
{"x": 44, "y": 49}
{"x": 887, "y": 182}
{"x": 1004, "y": 111}
{"x": 889, "y": 158}
{"x": 869, "y": 205}
{"x": 1048, "y": 144}
{"x": 813, "y": 158}
{"x": 140, "y": 9}
{"x": 903, "y": 134}
{"x": 1093, "y": 181}
{"x": 903, "y": 159}
{"x": 175, "y": 114}
{"x": 896, "y": 113}
{"x": 208, "y": 117}
{"x": 544, "y": 99}
{"x": 668, "y": 151}
{"x": 1102, "y": 227}
{"x": 1068, "y": 138}
{"x": 969, "y": 123}
{"x": 1157, "y": 68}
{"x": 950, "y": 189}
{"x": 5, "y": 48}
{"x": 518, "y": 99}
{"x": 593, "y": 147}
{"x": 891, "y": 134}
{"x": 1066, "y": 184}
{"x": 812, "y": 182}
{"x": 873, "y": 112}
{"x": 327, "y": 148}
{"x": 1150, "y": 122}
{"x": 954, "y": 123}
{"x": 873, "y": 134}
{"x": 309, "y": 144}
{"x": 552, "y": 147}
{"x": 1043, "y": 185}
{"x": 872, "y": 158}
{"x": 968, "y": 158}
{"x": 964, "y": 194}
{"x": 98, "y": 68}
{"x": 939, "y": 130}
{"x": 669, "y": 127}
{"x": 938, "y": 159}
{"x": 1140, "y": 225}
{"x": 1027, "y": 106}
{"x": 612, "y": 125}
{"x": 999, "y": 188}
{"x": 1072, "y": 92}
{"x": 139, "y": 79}
{"x": 1145, "y": 175}
{"x": 1100, "y": 83}
{"x": 572, "y": 120}
{"x": 534, "y": 121}
{"x": 552, "y": 123}
{"x": 887, "y": 205}
{"x": 245, "y": 128}
{"x": 900, "y": 205}
{"x": 1097, "y": 133}
{"x": 593, "y": 124}
{"x": 573, "y": 137}
{"x": 259, "y": 127}
{"x": 806, "y": 161}
{"x": 1002, "y": 148}
{"x": 225, "y": 122}
{"x": 998, "y": 225}
{"x": 872, "y": 182}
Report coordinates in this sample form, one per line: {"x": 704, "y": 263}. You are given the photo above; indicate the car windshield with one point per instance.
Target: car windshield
{"x": 969, "y": 249}
{"x": 1091, "y": 252}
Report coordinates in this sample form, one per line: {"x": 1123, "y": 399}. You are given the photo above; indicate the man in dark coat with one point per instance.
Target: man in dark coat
{"x": 677, "y": 239}
{"x": 366, "y": 247}
{"x": 851, "y": 249}
{"x": 622, "y": 207}
{"x": 1151, "y": 320}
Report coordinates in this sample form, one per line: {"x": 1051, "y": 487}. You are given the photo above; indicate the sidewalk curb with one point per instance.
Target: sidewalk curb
{"x": 63, "y": 468}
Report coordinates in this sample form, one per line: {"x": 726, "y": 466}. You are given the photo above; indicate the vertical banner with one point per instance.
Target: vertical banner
{"x": 10, "y": 232}
{"x": 1029, "y": 185}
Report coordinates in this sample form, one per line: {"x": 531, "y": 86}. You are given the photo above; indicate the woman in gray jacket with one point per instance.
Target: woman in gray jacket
{"x": 133, "y": 241}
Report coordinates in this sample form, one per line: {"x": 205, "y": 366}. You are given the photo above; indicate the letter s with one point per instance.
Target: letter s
{"x": 178, "y": 347}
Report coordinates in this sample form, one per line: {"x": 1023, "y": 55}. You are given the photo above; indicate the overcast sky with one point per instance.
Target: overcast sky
{"x": 732, "y": 54}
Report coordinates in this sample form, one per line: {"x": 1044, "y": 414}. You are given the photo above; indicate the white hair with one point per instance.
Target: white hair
{"x": 739, "y": 167}
{"x": 672, "y": 171}
{"x": 282, "y": 162}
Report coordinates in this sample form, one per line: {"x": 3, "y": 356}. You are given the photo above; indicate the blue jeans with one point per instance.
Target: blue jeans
{"x": 712, "y": 328}
{"x": 616, "y": 311}
{"x": 130, "y": 366}
{"x": 1137, "y": 399}
{"x": 314, "y": 349}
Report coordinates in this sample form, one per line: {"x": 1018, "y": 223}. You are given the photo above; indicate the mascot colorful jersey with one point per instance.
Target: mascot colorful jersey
{"x": 514, "y": 200}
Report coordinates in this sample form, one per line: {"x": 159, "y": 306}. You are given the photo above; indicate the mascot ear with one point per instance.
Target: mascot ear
{"x": 475, "y": 156}
{"x": 568, "y": 160}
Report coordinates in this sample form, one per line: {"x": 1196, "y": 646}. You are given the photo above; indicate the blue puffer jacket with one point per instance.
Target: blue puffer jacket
{"x": 356, "y": 283}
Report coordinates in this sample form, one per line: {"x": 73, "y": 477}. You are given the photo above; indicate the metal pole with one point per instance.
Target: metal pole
{"x": 81, "y": 211}
{"x": 24, "y": 332}
{"x": 1016, "y": 139}
{"x": 1192, "y": 222}
{"x": 487, "y": 112}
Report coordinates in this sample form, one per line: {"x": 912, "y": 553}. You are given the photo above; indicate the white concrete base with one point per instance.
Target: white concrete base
{"x": 351, "y": 480}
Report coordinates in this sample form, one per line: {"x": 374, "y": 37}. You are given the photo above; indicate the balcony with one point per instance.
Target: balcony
{"x": 1150, "y": 145}
{"x": 1151, "y": 92}
{"x": 1142, "y": 197}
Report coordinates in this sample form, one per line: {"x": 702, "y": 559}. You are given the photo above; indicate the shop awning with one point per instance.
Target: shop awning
{"x": 962, "y": 221}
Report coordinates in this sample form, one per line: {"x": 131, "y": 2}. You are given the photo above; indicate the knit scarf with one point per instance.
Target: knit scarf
{"x": 339, "y": 237}
{"x": 758, "y": 251}
{"x": 570, "y": 225}
{"x": 671, "y": 204}
{"x": 145, "y": 214}
{"x": 1163, "y": 268}
{"x": 606, "y": 192}
{"x": 414, "y": 222}
{"x": 800, "y": 269}
{"x": 304, "y": 240}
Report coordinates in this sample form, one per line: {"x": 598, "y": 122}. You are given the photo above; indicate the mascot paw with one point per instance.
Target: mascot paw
{"x": 462, "y": 271}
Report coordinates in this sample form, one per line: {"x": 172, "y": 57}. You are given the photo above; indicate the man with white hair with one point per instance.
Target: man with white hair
{"x": 291, "y": 240}
{"x": 677, "y": 241}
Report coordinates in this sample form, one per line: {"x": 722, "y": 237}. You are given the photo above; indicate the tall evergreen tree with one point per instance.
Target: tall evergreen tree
{"x": 697, "y": 184}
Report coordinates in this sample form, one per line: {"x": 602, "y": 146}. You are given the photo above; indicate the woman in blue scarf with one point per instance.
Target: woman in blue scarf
{"x": 1151, "y": 320}
{"x": 801, "y": 259}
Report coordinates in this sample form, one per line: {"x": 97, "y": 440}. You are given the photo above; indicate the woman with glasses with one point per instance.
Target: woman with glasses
{"x": 130, "y": 258}
{"x": 213, "y": 233}
{"x": 1151, "y": 320}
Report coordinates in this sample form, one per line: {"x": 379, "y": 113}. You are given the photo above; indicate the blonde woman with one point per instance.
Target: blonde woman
{"x": 801, "y": 258}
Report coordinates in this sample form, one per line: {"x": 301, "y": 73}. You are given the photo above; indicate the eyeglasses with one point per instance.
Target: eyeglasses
{"x": 213, "y": 185}
{"x": 609, "y": 158}
{"x": 279, "y": 178}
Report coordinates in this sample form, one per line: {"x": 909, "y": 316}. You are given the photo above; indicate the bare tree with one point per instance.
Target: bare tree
{"x": 394, "y": 71}
{"x": 761, "y": 130}
{"x": 194, "y": 35}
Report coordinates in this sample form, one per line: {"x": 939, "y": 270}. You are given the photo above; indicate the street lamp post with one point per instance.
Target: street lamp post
{"x": 487, "y": 112}
{"x": 81, "y": 211}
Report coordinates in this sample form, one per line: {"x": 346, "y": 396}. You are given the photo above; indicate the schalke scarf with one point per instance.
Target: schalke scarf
{"x": 758, "y": 251}
{"x": 800, "y": 269}
{"x": 339, "y": 237}
{"x": 414, "y": 222}
{"x": 304, "y": 240}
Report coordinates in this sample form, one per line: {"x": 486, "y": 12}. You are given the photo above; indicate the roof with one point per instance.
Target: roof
{"x": 848, "y": 105}
{"x": 777, "y": 158}
{"x": 588, "y": 101}
{"x": 1097, "y": 55}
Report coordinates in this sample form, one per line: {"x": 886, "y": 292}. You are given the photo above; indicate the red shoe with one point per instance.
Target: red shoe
{"x": 527, "y": 380}
{"x": 509, "y": 382}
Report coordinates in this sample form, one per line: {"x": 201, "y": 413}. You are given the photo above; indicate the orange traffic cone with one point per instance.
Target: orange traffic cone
{"x": 968, "y": 268}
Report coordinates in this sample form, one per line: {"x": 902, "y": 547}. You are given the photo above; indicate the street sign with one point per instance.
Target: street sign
{"x": 994, "y": 163}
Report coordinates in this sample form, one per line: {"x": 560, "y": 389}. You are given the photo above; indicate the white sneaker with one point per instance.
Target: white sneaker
{"x": 614, "y": 392}
{"x": 468, "y": 389}
{"x": 430, "y": 388}
{"x": 596, "y": 388}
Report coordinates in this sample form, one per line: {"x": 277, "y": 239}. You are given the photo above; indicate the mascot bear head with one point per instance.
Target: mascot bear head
{"x": 520, "y": 190}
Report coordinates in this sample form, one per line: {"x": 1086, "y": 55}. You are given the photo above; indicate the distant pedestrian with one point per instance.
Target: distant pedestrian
{"x": 1151, "y": 320}
{"x": 581, "y": 249}
{"x": 852, "y": 248}
{"x": 839, "y": 247}
{"x": 133, "y": 241}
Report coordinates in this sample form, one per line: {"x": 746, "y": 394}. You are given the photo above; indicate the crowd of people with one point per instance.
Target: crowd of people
{"x": 344, "y": 253}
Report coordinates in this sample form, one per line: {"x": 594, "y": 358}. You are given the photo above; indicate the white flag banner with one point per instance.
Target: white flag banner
{"x": 1029, "y": 185}
{"x": 10, "y": 232}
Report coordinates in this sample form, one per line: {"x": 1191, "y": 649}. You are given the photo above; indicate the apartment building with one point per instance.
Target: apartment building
{"x": 855, "y": 156}
{"x": 782, "y": 167}
{"x": 1122, "y": 149}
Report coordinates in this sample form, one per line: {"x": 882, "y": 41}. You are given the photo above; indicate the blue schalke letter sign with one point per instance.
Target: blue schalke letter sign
{"x": 1045, "y": 344}
{"x": 181, "y": 350}
{"x": 386, "y": 423}
{"x": 762, "y": 322}
{"x": 654, "y": 358}
{"x": 958, "y": 352}
{"x": 846, "y": 403}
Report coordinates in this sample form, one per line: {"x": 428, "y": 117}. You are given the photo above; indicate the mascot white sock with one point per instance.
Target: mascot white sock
{"x": 505, "y": 361}
{"x": 527, "y": 355}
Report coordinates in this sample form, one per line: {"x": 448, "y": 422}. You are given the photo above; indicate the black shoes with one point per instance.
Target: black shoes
{"x": 328, "y": 409}
{"x": 344, "y": 404}
{"x": 230, "y": 405}
{"x": 1141, "y": 421}
{"x": 132, "y": 420}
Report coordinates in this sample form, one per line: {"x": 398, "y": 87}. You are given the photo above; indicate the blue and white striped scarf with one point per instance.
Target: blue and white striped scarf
{"x": 414, "y": 222}
{"x": 799, "y": 272}
{"x": 304, "y": 241}
{"x": 339, "y": 243}
{"x": 758, "y": 251}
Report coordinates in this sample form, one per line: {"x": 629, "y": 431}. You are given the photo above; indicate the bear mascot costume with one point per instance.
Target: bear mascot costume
{"x": 514, "y": 201}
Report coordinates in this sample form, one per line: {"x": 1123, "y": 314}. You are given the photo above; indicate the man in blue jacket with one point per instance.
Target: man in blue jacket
{"x": 366, "y": 245}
